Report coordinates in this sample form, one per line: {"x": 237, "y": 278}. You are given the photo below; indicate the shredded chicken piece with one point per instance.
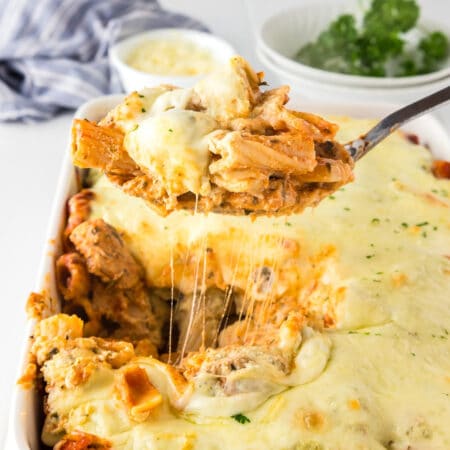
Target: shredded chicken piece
{"x": 262, "y": 158}
{"x": 198, "y": 317}
{"x": 106, "y": 254}
{"x": 104, "y": 286}
{"x": 269, "y": 346}
{"x": 125, "y": 314}
{"x": 223, "y": 365}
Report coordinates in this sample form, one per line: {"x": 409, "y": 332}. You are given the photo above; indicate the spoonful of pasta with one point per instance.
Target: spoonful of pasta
{"x": 225, "y": 146}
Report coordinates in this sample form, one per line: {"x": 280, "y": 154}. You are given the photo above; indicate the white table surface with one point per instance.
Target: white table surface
{"x": 30, "y": 160}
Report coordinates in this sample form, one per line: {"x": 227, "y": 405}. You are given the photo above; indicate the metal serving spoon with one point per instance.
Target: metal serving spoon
{"x": 359, "y": 147}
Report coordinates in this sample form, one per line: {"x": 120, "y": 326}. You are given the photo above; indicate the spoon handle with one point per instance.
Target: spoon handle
{"x": 359, "y": 147}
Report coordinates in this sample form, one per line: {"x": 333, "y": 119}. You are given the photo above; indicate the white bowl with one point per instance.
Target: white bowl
{"x": 284, "y": 33}
{"x": 133, "y": 79}
{"x": 316, "y": 89}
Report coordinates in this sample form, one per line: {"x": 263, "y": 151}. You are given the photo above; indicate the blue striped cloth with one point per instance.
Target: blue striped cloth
{"x": 53, "y": 53}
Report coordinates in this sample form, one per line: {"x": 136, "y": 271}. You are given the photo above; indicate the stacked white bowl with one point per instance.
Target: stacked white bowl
{"x": 281, "y": 36}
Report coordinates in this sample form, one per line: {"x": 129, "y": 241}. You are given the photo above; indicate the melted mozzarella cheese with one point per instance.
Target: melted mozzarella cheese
{"x": 387, "y": 381}
{"x": 170, "y": 140}
{"x": 173, "y": 146}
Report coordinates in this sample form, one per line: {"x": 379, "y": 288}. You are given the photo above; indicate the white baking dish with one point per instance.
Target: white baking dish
{"x": 24, "y": 423}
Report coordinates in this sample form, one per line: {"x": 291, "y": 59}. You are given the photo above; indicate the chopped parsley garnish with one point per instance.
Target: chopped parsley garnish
{"x": 170, "y": 130}
{"x": 143, "y": 110}
{"x": 375, "y": 220}
{"x": 365, "y": 333}
{"x": 421, "y": 224}
{"x": 135, "y": 127}
{"x": 369, "y": 256}
{"x": 412, "y": 353}
{"x": 141, "y": 96}
{"x": 241, "y": 418}
{"x": 332, "y": 197}
{"x": 288, "y": 224}
{"x": 404, "y": 225}
{"x": 346, "y": 208}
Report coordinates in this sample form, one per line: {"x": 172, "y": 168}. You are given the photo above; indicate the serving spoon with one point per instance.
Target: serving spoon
{"x": 359, "y": 147}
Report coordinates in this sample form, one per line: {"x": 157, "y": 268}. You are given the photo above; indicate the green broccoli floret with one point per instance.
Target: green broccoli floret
{"x": 434, "y": 48}
{"x": 341, "y": 32}
{"x": 393, "y": 16}
{"x": 408, "y": 67}
{"x": 335, "y": 47}
{"x": 375, "y": 50}
{"x": 380, "y": 38}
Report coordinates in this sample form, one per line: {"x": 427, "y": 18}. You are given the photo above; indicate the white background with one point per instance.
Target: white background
{"x": 30, "y": 160}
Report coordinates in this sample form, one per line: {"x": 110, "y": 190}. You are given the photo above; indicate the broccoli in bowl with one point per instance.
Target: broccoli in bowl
{"x": 380, "y": 45}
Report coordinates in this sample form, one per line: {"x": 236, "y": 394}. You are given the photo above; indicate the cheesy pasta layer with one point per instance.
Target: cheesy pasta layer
{"x": 322, "y": 331}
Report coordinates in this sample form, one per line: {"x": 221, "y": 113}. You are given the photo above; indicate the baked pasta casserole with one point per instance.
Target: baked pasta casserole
{"x": 324, "y": 330}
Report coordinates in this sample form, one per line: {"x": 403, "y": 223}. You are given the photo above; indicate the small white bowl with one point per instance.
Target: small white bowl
{"x": 284, "y": 33}
{"x": 133, "y": 79}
